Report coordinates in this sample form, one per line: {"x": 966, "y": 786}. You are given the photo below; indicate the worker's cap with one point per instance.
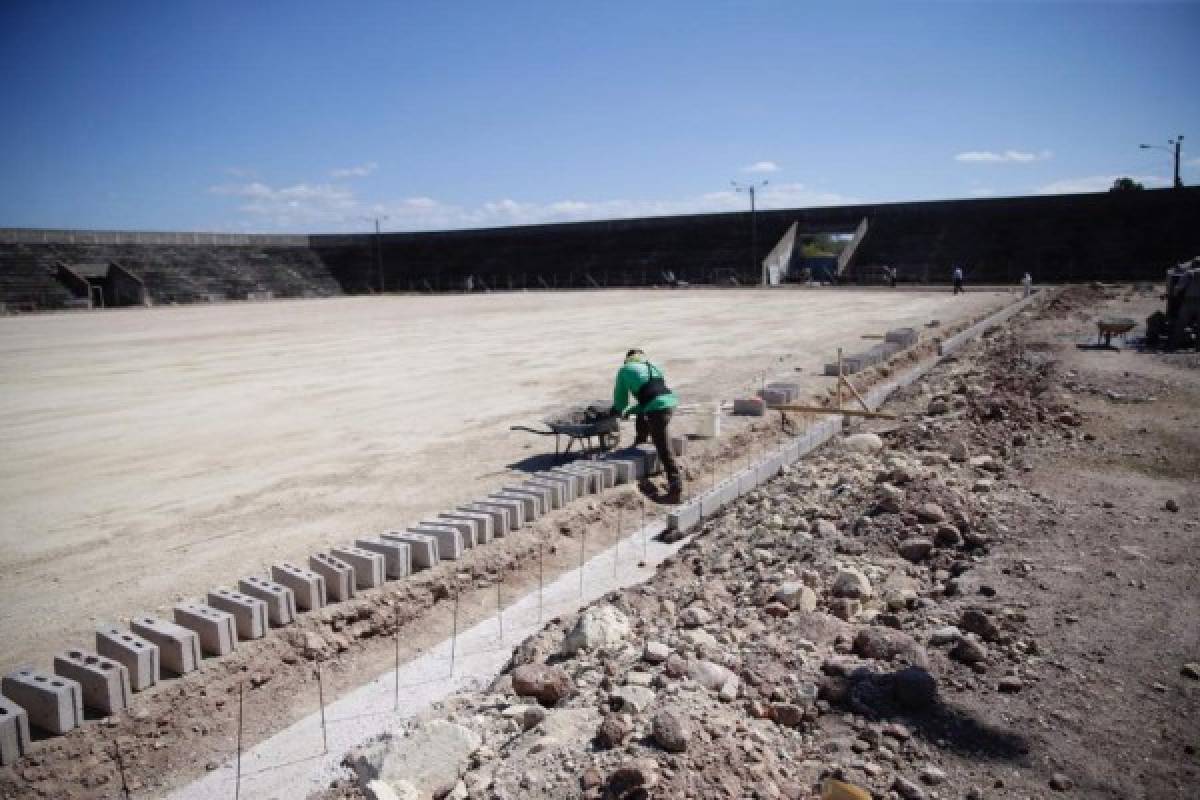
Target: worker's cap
{"x": 634, "y": 355}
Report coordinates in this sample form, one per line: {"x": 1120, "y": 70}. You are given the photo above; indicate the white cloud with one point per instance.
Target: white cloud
{"x": 1097, "y": 183}
{"x": 358, "y": 171}
{"x": 1005, "y": 157}
{"x": 761, "y": 166}
{"x": 314, "y": 207}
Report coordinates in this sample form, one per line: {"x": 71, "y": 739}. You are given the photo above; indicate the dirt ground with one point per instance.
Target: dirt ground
{"x": 150, "y": 455}
{"x": 1001, "y": 603}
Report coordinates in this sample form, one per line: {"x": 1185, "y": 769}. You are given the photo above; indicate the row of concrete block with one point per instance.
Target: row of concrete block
{"x": 893, "y": 342}
{"x": 128, "y": 661}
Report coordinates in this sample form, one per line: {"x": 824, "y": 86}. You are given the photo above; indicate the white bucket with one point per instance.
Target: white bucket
{"x": 710, "y": 422}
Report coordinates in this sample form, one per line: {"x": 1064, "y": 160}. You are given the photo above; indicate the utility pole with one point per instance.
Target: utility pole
{"x": 378, "y": 249}
{"x": 752, "y": 189}
{"x": 1175, "y": 147}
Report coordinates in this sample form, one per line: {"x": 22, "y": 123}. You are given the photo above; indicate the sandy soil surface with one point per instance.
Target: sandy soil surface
{"x": 998, "y": 602}
{"x": 151, "y": 455}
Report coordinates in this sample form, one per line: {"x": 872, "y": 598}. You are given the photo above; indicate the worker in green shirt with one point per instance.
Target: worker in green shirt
{"x": 645, "y": 382}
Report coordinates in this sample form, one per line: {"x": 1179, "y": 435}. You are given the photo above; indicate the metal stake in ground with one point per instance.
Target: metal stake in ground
{"x": 582, "y": 550}
{"x": 121, "y": 769}
{"x": 541, "y": 577}
{"x": 396, "y": 689}
{"x": 321, "y": 700}
{"x": 454, "y": 634}
{"x": 237, "y": 779}
{"x": 617, "y": 543}
{"x": 500, "y": 603}
{"x": 645, "y": 536}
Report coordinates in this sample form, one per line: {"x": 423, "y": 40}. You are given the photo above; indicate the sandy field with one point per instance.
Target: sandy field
{"x": 149, "y": 455}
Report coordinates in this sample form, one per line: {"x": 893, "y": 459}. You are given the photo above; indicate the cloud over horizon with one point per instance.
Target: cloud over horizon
{"x": 761, "y": 167}
{"x": 1004, "y": 157}
{"x": 357, "y": 171}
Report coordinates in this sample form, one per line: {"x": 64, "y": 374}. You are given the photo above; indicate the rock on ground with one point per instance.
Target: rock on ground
{"x": 431, "y": 758}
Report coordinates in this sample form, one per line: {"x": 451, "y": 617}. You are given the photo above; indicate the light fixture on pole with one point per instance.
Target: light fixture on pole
{"x": 752, "y": 190}
{"x": 1175, "y": 145}
{"x": 378, "y": 250}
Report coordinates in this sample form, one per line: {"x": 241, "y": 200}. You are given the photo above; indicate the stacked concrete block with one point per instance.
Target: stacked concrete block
{"x": 14, "y": 732}
{"x": 216, "y": 628}
{"x": 103, "y": 683}
{"x": 139, "y": 656}
{"x": 773, "y": 398}
{"x": 449, "y": 540}
{"x": 556, "y": 491}
{"x": 498, "y": 516}
{"x": 593, "y": 482}
{"x": 308, "y": 586}
{"x": 369, "y": 567}
{"x": 630, "y": 466}
{"x": 51, "y": 702}
{"x": 612, "y": 475}
{"x": 529, "y": 504}
{"x": 650, "y": 458}
{"x": 753, "y": 406}
{"x": 543, "y": 501}
{"x": 422, "y": 547}
{"x": 397, "y": 557}
{"x": 514, "y": 510}
{"x": 793, "y": 389}
{"x": 280, "y": 600}
{"x": 249, "y": 613}
{"x": 480, "y": 525}
{"x": 178, "y": 647}
{"x": 338, "y": 575}
{"x": 579, "y": 483}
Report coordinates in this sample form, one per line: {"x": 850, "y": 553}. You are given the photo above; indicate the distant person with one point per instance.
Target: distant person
{"x": 469, "y": 283}
{"x": 890, "y": 274}
{"x": 958, "y": 280}
{"x": 1027, "y": 282}
{"x": 645, "y": 382}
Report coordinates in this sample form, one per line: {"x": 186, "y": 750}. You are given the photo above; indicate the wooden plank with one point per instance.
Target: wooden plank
{"x": 849, "y": 412}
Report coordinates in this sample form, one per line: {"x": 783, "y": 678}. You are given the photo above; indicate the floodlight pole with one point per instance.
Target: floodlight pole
{"x": 1176, "y": 146}
{"x": 752, "y": 189}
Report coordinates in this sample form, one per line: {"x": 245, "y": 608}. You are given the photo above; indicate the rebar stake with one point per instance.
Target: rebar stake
{"x": 237, "y": 780}
{"x": 321, "y": 699}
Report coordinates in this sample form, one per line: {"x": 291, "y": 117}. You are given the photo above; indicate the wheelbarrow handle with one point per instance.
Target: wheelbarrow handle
{"x": 527, "y": 429}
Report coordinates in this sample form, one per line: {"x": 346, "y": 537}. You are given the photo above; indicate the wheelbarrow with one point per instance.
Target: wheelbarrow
{"x": 594, "y": 429}
{"x": 1108, "y": 327}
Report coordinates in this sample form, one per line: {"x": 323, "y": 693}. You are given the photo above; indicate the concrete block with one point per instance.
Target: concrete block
{"x": 14, "y": 732}
{"x": 369, "y": 567}
{"x": 280, "y": 600}
{"x": 609, "y": 469}
{"x": 423, "y": 548}
{"x": 679, "y": 446}
{"x": 747, "y": 480}
{"x": 103, "y": 683}
{"x": 529, "y": 504}
{"x": 787, "y": 386}
{"x": 649, "y": 457}
{"x": 137, "y": 655}
{"x": 449, "y": 540}
{"x": 178, "y": 647}
{"x": 542, "y": 501}
{"x": 557, "y": 491}
{"x": 630, "y": 468}
{"x": 498, "y": 515}
{"x": 51, "y": 702}
{"x": 216, "y": 628}
{"x": 754, "y": 406}
{"x": 684, "y": 517}
{"x": 465, "y": 528}
{"x": 338, "y": 575}
{"x": 579, "y": 483}
{"x": 567, "y": 484}
{"x": 514, "y": 510}
{"x": 905, "y": 337}
{"x": 249, "y": 613}
{"x": 306, "y": 585}
{"x": 481, "y": 524}
{"x": 397, "y": 556}
{"x": 773, "y": 397}
{"x": 593, "y": 482}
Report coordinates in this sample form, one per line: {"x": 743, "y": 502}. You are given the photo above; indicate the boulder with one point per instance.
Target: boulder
{"x": 671, "y": 731}
{"x": 548, "y": 685}
{"x": 598, "y": 628}
{"x": 885, "y": 644}
{"x": 430, "y": 759}
{"x": 709, "y": 675}
{"x": 863, "y": 443}
{"x": 915, "y": 548}
{"x": 931, "y": 513}
{"x": 851, "y": 583}
{"x": 796, "y": 596}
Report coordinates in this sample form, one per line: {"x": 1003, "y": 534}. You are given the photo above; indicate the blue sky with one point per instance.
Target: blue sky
{"x": 311, "y": 116}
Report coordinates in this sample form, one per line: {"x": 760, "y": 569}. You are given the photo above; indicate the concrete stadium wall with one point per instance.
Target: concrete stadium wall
{"x": 1057, "y": 238}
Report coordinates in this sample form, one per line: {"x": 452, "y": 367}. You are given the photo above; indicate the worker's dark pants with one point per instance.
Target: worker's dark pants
{"x": 958, "y": 287}
{"x": 654, "y": 425}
